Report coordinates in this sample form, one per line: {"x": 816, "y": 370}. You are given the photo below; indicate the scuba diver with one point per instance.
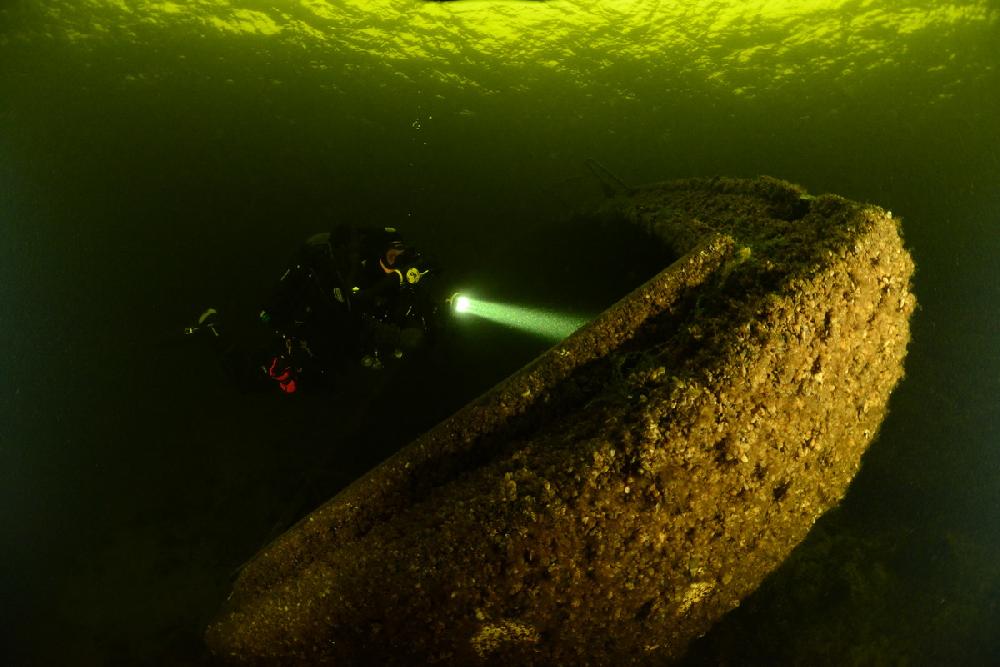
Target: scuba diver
{"x": 352, "y": 294}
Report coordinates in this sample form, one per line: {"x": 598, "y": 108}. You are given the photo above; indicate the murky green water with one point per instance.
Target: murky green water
{"x": 159, "y": 156}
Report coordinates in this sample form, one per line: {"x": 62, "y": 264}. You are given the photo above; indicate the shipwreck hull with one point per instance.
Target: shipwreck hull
{"x": 610, "y": 501}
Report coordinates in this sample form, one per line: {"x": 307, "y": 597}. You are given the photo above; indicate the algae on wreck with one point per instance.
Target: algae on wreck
{"x": 613, "y": 499}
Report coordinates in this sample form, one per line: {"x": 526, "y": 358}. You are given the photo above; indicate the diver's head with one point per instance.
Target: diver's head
{"x": 395, "y": 253}
{"x": 393, "y": 248}
{"x": 401, "y": 259}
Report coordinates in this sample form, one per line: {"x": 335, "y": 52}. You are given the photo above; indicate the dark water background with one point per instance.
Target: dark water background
{"x": 144, "y": 175}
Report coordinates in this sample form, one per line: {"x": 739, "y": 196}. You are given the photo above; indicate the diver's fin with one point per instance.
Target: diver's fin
{"x": 610, "y": 184}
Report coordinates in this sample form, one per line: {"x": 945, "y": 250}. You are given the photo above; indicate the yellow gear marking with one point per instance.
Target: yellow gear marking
{"x": 413, "y": 275}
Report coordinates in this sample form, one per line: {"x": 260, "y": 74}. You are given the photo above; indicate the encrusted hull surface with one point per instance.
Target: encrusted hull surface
{"x": 609, "y": 502}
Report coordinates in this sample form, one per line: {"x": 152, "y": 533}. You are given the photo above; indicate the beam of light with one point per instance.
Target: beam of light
{"x": 538, "y": 321}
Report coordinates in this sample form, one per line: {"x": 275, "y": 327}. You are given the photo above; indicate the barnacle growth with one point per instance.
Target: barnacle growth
{"x": 611, "y": 500}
